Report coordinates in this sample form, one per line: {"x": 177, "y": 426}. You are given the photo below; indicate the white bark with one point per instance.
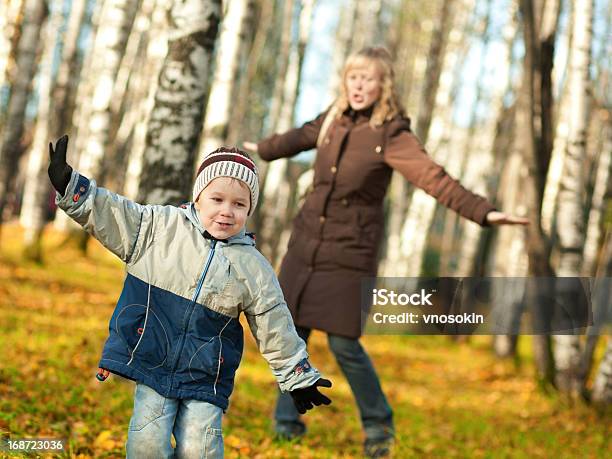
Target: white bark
{"x": 10, "y": 148}
{"x": 481, "y": 154}
{"x": 80, "y": 114}
{"x": 232, "y": 40}
{"x": 422, "y": 206}
{"x": 602, "y": 385}
{"x": 146, "y": 88}
{"x": 510, "y": 257}
{"x": 277, "y": 188}
{"x": 68, "y": 72}
{"x": 603, "y": 186}
{"x": 570, "y": 225}
{"x": 9, "y": 12}
{"x": 369, "y": 30}
{"x": 37, "y": 187}
{"x": 175, "y": 123}
{"x": 109, "y": 46}
{"x": 342, "y": 47}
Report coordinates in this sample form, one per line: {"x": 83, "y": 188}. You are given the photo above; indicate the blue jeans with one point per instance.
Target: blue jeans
{"x": 196, "y": 427}
{"x": 376, "y": 414}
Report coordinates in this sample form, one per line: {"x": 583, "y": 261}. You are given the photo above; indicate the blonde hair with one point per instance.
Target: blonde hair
{"x": 388, "y": 105}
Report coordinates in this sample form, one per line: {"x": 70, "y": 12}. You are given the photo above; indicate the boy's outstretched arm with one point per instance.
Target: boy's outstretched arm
{"x": 118, "y": 223}
{"x": 273, "y": 329}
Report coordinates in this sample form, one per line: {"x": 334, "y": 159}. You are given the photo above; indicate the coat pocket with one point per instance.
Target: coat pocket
{"x": 213, "y": 359}
{"x": 143, "y": 334}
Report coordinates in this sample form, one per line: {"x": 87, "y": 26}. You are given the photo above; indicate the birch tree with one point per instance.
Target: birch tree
{"x": 570, "y": 223}
{"x": 129, "y": 91}
{"x": 109, "y": 46}
{"x": 437, "y": 130}
{"x": 243, "y": 106}
{"x": 481, "y": 155}
{"x": 410, "y": 60}
{"x": 145, "y": 89}
{"x": 78, "y": 117}
{"x": 232, "y": 41}
{"x": 534, "y": 121}
{"x": 368, "y": 24}
{"x": 9, "y": 17}
{"x": 602, "y": 385}
{"x": 37, "y": 189}
{"x": 602, "y": 188}
{"x": 69, "y": 71}
{"x": 343, "y": 46}
{"x": 175, "y": 122}
{"x": 277, "y": 188}
{"x": 11, "y": 148}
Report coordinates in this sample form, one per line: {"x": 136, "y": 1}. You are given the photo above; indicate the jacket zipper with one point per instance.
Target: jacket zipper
{"x": 192, "y": 306}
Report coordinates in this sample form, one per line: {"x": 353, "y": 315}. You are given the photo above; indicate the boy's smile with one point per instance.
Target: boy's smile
{"x": 223, "y": 207}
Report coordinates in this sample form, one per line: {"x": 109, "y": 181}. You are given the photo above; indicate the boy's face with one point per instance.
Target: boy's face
{"x": 223, "y": 207}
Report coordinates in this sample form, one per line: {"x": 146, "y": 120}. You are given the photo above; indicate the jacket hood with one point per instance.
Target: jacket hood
{"x": 242, "y": 238}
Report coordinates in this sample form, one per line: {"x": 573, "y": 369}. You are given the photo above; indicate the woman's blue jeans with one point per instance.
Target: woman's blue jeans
{"x": 376, "y": 414}
{"x": 196, "y": 427}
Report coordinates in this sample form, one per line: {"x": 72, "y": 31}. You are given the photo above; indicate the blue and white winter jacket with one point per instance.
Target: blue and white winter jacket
{"x": 175, "y": 327}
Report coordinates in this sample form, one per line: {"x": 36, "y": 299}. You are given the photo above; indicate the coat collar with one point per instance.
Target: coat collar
{"x": 352, "y": 117}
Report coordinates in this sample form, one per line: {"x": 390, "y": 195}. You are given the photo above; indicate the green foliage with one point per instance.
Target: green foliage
{"x": 450, "y": 399}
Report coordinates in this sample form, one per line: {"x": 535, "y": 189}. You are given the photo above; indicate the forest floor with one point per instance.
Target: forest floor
{"x": 450, "y": 399}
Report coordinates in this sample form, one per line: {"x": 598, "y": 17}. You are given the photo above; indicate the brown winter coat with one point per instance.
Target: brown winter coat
{"x": 337, "y": 232}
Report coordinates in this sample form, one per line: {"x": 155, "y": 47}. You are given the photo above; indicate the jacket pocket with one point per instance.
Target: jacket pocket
{"x": 143, "y": 334}
{"x": 213, "y": 359}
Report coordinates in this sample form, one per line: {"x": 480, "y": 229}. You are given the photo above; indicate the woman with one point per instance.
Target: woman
{"x": 361, "y": 139}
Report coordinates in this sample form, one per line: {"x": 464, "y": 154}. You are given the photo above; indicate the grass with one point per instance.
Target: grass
{"x": 450, "y": 399}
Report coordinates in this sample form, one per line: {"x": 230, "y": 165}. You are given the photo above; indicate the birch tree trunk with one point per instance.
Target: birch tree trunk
{"x": 9, "y": 17}
{"x": 343, "y": 46}
{"x": 11, "y": 148}
{"x": 37, "y": 189}
{"x": 79, "y": 116}
{"x": 570, "y": 222}
{"x": 109, "y": 46}
{"x": 368, "y": 27}
{"x": 435, "y": 59}
{"x": 439, "y": 131}
{"x": 232, "y": 41}
{"x": 602, "y": 385}
{"x": 271, "y": 174}
{"x": 510, "y": 261}
{"x": 408, "y": 54}
{"x": 481, "y": 155}
{"x": 278, "y": 190}
{"x": 243, "y": 102}
{"x": 555, "y": 169}
{"x": 175, "y": 123}
{"x": 129, "y": 91}
{"x": 145, "y": 90}
{"x": 603, "y": 188}
{"x": 69, "y": 71}
{"x": 534, "y": 119}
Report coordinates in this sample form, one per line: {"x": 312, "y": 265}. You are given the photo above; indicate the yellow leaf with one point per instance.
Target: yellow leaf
{"x": 104, "y": 441}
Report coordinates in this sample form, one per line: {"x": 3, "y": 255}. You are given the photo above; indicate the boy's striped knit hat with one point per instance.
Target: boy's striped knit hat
{"x": 228, "y": 162}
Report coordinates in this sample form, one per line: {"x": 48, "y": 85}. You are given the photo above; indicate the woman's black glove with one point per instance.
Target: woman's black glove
{"x": 305, "y": 398}
{"x": 59, "y": 171}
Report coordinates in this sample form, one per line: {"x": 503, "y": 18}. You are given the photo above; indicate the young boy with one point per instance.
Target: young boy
{"x": 175, "y": 330}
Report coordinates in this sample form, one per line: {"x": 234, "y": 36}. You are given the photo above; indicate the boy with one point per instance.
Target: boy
{"x": 175, "y": 330}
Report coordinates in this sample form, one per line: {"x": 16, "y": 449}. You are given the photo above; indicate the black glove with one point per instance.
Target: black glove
{"x": 59, "y": 171}
{"x": 305, "y": 398}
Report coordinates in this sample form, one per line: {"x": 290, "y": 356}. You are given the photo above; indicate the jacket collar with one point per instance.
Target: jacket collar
{"x": 355, "y": 117}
